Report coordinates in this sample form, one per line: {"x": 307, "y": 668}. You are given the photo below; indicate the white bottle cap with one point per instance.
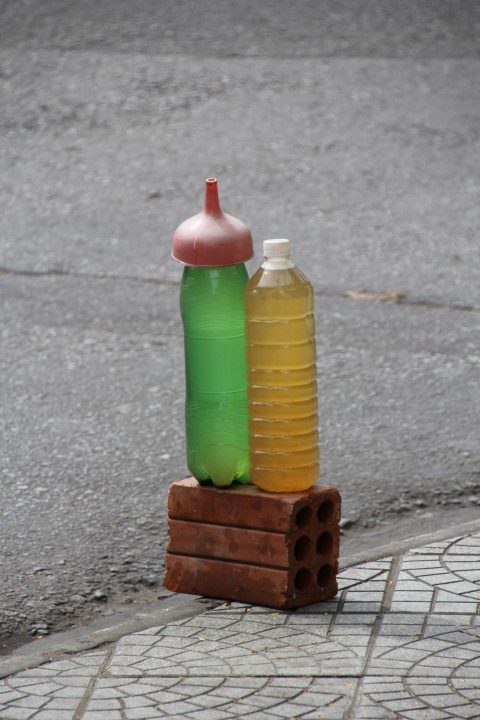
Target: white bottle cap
{"x": 276, "y": 248}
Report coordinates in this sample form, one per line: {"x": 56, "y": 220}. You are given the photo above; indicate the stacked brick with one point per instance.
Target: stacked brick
{"x": 274, "y": 549}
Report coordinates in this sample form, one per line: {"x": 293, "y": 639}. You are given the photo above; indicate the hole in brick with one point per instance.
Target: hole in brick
{"x": 324, "y": 575}
{"x": 325, "y": 511}
{"x": 302, "y": 579}
{"x": 302, "y": 546}
{"x": 303, "y": 516}
{"x": 324, "y": 543}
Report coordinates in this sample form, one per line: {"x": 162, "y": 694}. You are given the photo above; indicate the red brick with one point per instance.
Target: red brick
{"x": 248, "y": 583}
{"x": 252, "y": 508}
{"x": 278, "y": 550}
{"x": 240, "y": 543}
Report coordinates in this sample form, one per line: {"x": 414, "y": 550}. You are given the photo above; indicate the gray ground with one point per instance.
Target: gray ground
{"x": 353, "y": 129}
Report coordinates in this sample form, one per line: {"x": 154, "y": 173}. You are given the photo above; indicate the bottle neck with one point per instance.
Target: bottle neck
{"x": 277, "y": 263}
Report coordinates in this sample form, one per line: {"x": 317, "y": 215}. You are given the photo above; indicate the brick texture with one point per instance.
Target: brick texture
{"x": 240, "y": 543}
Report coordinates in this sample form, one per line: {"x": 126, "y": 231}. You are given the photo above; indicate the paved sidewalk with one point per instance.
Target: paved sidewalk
{"x": 401, "y": 640}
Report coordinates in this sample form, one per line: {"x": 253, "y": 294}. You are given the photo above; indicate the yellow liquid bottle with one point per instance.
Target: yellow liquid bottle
{"x": 282, "y": 374}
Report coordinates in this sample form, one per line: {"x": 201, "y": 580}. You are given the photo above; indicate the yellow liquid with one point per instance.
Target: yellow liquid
{"x": 282, "y": 380}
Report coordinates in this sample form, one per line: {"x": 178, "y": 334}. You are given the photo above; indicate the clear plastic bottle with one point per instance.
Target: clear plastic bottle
{"x": 282, "y": 374}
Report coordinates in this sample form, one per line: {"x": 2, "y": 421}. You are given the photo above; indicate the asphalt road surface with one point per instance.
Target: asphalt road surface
{"x": 351, "y": 128}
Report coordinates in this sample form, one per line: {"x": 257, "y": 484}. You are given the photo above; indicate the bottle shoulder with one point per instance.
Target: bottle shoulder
{"x": 207, "y": 273}
{"x": 290, "y": 278}
{"x": 229, "y": 279}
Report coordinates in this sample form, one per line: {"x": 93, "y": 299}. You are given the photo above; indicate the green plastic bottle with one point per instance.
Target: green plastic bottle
{"x": 213, "y": 247}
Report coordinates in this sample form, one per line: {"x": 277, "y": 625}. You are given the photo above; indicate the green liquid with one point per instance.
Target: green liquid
{"x": 212, "y": 307}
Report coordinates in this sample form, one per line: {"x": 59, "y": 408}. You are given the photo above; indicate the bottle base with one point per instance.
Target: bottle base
{"x": 285, "y": 481}
{"x": 220, "y": 465}
{"x": 228, "y": 483}
{"x": 282, "y": 488}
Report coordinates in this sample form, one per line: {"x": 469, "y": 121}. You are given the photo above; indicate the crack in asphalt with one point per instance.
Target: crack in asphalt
{"x": 89, "y": 276}
{"x": 331, "y": 292}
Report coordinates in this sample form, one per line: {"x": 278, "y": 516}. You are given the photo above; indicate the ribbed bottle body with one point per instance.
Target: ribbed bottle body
{"x": 282, "y": 380}
{"x": 213, "y": 316}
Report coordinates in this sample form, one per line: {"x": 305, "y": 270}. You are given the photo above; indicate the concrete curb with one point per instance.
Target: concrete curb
{"x": 401, "y": 546}
{"x": 111, "y": 628}
{"x": 103, "y": 631}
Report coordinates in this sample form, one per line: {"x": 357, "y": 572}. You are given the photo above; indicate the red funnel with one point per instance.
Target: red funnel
{"x": 212, "y": 238}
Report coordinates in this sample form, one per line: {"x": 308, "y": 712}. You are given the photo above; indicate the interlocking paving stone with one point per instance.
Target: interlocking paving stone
{"x": 436, "y": 679}
{"x": 50, "y": 692}
{"x": 415, "y": 606}
{"x": 234, "y": 697}
{"x": 289, "y": 652}
{"x": 415, "y": 659}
